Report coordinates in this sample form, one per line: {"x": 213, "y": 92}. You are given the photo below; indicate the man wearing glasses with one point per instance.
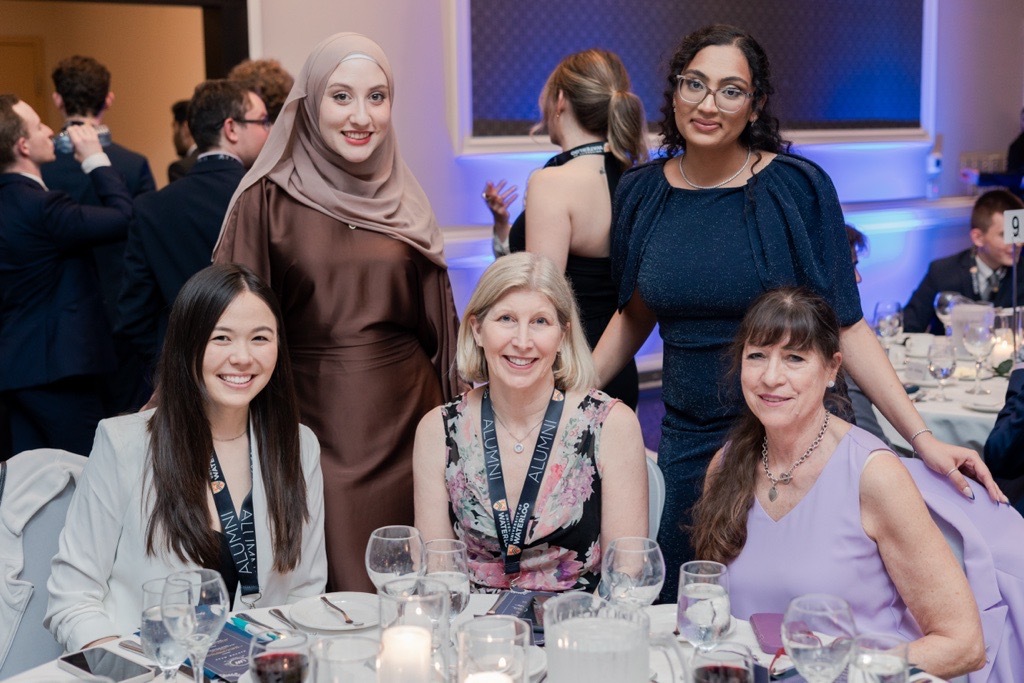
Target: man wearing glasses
{"x": 174, "y": 230}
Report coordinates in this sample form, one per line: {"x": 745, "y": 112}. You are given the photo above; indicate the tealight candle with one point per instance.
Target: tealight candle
{"x": 488, "y": 677}
{"x": 1002, "y": 351}
{"x": 405, "y": 655}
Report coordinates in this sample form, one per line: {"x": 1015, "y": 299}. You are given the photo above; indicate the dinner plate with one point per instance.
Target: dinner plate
{"x": 983, "y": 406}
{"x": 314, "y": 614}
{"x": 663, "y": 620}
{"x": 965, "y": 373}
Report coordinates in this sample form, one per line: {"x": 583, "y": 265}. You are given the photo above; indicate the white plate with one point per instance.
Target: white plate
{"x": 983, "y": 407}
{"x": 314, "y": 614}
{"x": 663, "y": 620}
{"x": 245, "y": 678}
{"x": 536, "y": 661}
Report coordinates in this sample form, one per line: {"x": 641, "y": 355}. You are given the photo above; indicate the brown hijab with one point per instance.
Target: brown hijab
{"x": 379, "y": 194}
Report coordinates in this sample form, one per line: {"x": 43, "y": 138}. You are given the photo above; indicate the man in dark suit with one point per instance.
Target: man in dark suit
{"x": 184, "y": 145}
{"x": 54, "y": 338}
{"x": 980, "y": 273}
{"x": 174, "y": 230}
{"x": 1004, "y": 449}
{"x": 82, "y": 94}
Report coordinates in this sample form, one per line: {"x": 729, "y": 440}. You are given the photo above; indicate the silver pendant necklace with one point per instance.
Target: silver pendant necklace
{"x": 518, "y": 447}
{"x": 716, "y": 185}
{"x": 787, "y": 476}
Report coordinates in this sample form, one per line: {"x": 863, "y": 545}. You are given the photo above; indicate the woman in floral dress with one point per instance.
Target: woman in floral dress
{"x": 536, "y": 521}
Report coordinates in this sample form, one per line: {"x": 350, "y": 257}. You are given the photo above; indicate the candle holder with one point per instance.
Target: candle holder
{"x": 493, "y": 649}
{"x": 415, "y": 606}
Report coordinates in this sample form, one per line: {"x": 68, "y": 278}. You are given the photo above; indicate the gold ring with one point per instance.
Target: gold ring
{"x": 951, "y": 471}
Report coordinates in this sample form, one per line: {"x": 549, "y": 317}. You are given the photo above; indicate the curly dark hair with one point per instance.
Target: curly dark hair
{"x": 761, "y": 135}
{"x": 83, "y": 84}
{"x": 268, "y": 79}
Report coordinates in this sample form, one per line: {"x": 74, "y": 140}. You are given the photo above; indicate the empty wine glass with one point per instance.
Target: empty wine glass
{"x": 194, "y": 608}
{"x": 941, "y": 363}
{"x": 702, "y": 613}
{"x": 978, "y": 342}
{"x": 393, "y": 552}
{"x": 817, "y": 632}
{"x": 284, "y": 659}
{"x": 632, "y": 571}
{"x": 878, "y": 658}
{"x": 157, "y": 642}
{"x": 944, "y": 303}
{"x": 888, "y": 322}
{"x": 447, "y": 562}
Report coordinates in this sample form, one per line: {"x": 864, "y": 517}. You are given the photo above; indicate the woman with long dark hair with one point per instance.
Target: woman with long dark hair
{"x": 224, "y": 446}
{"x": 726, "y": 215}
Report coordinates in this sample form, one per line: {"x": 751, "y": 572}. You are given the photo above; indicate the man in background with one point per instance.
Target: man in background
{"x": 184, "y": 145}
{"x": 980, "y": 273}
{"x": 82, "y": 94}
{"x": 54, "y": 338}
{"x": 268, "y": 79}
{"x": 174, "y": 230}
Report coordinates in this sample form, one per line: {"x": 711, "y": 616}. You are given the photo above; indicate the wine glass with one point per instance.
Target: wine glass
{"x": 978, "y": 342}
{"x": 817, "y": 632}
{"x": 632, "y": 571}
{"x": 723, "y": 663}
{"x": 194, "y": 607}
{"x": 878, "y": 657}
{"x": 284, "y": 659}
{"x": 157, "y": 642}
{"x": 345, "y": 659}
{"x": 393, "y": 552}
{"x": 448, "y": 562}
{"x": 888, "y": 322}
{"x": 941, "y": 363}
{"x": 944, "y": 302}
{"x": 702, "y": 613}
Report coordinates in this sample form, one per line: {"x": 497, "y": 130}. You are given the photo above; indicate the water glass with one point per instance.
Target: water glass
{"x": 888, "y": 322}
{"x": 393, "y": 552}
{"x": 632, "y": 571}
{"x": 157, "y": 642}
{"x": 344, "y": 659}
{"x": 978, "y": 341}
{"x": 723, "y": 663}
{"x": 817, "y": 632}
{"x": 493, "y": 644}
{"x": 944, "y": 303}
{"x": 941, "y": 364}
{"x": 448, "y": 562}
{"x": 589, "y": 639}
{"x": 194, "y": 608}
{"x": 703, "y": 610}
{"x": 281, "y": 660}
{"x": 878, "y": 658}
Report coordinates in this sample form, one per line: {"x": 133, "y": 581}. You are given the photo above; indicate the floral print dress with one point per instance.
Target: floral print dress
{"x": 562, "y": 549}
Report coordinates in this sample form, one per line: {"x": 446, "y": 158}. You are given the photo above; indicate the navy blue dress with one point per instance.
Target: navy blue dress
{"x": 698, "y": 259}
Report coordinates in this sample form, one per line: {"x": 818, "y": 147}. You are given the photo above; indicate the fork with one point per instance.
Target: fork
{"x": 348, "y": 619}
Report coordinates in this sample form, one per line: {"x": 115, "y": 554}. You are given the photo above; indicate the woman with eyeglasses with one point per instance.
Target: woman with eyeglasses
{"x": 726, "y": 215}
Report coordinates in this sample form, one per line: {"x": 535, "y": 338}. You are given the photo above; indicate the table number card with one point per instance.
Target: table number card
{"x": 1013, "y": 226}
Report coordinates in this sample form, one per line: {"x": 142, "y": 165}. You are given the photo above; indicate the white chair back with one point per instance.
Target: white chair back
{"x": 40, "y": 483}
{"x": 655, "y": 495}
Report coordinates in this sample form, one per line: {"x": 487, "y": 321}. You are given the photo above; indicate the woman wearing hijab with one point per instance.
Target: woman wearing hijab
{"x": 332, "y": 217}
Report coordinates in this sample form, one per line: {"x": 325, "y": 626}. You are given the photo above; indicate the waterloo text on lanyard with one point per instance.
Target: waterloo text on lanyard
{"x": 240, "y": 532}
{"x": 512, "y": 528}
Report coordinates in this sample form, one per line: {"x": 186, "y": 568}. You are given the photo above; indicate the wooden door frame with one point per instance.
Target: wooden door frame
{"x": 225, "y": 30}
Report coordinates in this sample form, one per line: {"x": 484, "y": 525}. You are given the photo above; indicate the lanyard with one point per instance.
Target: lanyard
{"x": 582, "y": 150}
{"x": 240, "y": 533}
{"x": 512, "y": 530}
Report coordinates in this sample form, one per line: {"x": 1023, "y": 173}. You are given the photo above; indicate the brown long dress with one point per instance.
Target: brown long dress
{"x": 371, "y": 328}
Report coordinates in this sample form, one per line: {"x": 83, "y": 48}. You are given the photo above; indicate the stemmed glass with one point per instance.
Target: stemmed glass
{"x": 941, "y": 363}
{"x": 157, "y": 642}
{"x": 448, "y": 562}
{"x": 632, "y": 571}
{"x": 978, "y": 342}
{"x": 702, "y": 613}
{"x": 723, "y": 663}
{"x": 878, "y": 657}
{"x": 817, "y": 632}
{"x": 394, "y": 552}
{"x": 888, "y": 322}
{"x": 284, "y": 659}
{"x": 944, "y": 302}
{"x": 195, "y": 607}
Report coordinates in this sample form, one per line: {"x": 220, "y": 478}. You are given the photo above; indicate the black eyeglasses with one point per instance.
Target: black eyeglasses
{"x": 265, "y": 121}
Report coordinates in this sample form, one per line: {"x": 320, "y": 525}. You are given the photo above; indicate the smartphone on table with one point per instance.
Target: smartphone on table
{"x": 98, "y": 661}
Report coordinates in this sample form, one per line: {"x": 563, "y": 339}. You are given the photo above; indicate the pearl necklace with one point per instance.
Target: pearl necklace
{"x": 787, "y": 476}
{"x": 518, "y": 447}
{"x": 728, "y": 180}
